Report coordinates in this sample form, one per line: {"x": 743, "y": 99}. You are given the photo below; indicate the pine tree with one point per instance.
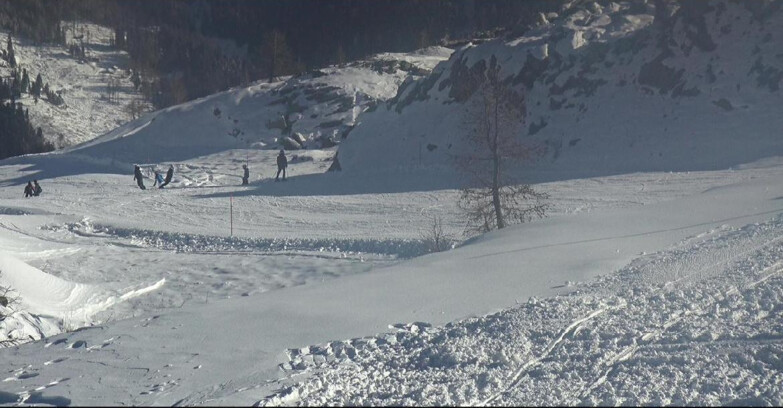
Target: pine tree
{"x": 25, "y": 81}
{"x": 16, "y": 88}
{"x": 341, "y": 58}
{"x": 136, "y": 79}
{"x": 37, "y": 86}
{"x": 11, "y": 55}
{"x": 279, "y": 55}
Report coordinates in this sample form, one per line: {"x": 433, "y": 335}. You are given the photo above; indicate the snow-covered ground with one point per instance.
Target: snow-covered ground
{"x": 235, "y": 319}
{"x": 656, "y": 281}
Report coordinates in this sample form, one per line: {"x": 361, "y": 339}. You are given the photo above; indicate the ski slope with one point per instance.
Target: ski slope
{"x": 655, "y": 279}
{"x": 244, "y": 320}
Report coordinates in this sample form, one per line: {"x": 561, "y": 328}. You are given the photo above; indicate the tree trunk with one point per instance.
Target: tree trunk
{"x": 496, "y": 165}
{"x": 496, "y": 195}
{"x": 273, "y": 60}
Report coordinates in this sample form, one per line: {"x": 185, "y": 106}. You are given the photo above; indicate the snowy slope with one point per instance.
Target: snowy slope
{"x": 641, "y": 287}
{"x": 320, "y": 104}
{"x": 86, "y": 113}
{"x": 603, "y": 94}
{"x": 665, "y": 264}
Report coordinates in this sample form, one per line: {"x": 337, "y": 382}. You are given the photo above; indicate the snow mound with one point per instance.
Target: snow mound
{"x": 48, "y": 305}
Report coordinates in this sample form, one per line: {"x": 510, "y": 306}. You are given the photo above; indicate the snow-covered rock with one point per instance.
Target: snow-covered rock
{"x": 677, "y": 67}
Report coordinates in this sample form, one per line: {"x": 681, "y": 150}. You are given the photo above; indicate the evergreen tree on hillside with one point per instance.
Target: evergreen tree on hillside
{"x": 279, "y": 55}
{"x": 5, "y": 90}
{"x": 17, "y": 135}
{"x": 16, "y": 87}
{"x": 11, "y": 56}
{"x": 25, "y": 81}
{"x": 37, "y": 86}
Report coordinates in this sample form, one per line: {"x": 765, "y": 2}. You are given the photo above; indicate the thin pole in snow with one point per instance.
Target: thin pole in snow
{"x": 231, "y": 212}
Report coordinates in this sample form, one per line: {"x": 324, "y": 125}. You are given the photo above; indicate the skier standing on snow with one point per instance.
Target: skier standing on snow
{"x": 246, "y": 175}
{"x": 138, "y": 177}
{"x": 28, "y": 190}
{"x": 169, "y": 176}
{"x": 282, "y": 163}
{"x": 37, "y": 190}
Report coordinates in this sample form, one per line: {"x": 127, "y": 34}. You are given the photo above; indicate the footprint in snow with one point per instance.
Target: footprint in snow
{"x": 26, "y": 375}
{"x": 52, "y": 384}
{"x": 105, "y": 343}
{"x": 58, "y": 360}
{"x": 56, "y": 342}
{"x": 78, "y": 344}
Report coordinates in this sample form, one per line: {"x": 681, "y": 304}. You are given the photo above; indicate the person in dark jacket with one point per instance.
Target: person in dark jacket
{"x": 37, "y": 190}
{"x": 282, "y": 163}
{"x": 28, "y": 190}
{"x": 245, "y": 175}
{"x": 138, "y": 177}
{"x": 169, "y": 176}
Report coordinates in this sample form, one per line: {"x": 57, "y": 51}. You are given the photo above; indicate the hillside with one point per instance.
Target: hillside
{"x": 321, "y": 106}
{"x": 87, "y": 111}
{"x": 610, "y": 88}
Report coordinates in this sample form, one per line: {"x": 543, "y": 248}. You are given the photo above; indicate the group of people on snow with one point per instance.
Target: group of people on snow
{"x": 159, "y": 181}
{"x": 32, "y": 189}
{"x": 282, "y": 164}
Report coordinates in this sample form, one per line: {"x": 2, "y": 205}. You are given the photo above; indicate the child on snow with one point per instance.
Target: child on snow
{"x": 158, "y": 180}
{"x": 138, "y": 177}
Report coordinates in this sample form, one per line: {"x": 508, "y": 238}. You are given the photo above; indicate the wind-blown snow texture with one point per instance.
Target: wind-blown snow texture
{"x": 696, "y": 324}
{"x": 656, "y": 279}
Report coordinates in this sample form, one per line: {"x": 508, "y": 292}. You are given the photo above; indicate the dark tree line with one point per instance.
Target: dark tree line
{"x": 17, "y": 135}
{"x": 179, "y": 48}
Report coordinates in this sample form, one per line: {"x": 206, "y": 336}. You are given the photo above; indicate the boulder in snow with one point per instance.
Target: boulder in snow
{"x": 289, "y": 144}
{"x": 299, "y": 138}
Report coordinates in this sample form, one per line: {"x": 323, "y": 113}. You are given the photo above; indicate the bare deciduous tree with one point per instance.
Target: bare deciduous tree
{"x": 7, "y": 299}
{"x": 112, "y": 89}
{"x": 434, "y": 237}
{"x": 495, "y": 118}
{"x": 135, "y": 108}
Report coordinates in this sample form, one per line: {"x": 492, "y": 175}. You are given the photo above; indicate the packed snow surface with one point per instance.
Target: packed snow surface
{"x": 685, "y": 299}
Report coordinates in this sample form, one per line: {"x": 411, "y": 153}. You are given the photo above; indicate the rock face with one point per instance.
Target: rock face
{"x": 643, "y": 85}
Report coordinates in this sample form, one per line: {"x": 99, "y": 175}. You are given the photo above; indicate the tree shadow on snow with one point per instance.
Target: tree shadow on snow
{"x": 331, "y": 184}
{"x": 47, "y": 166}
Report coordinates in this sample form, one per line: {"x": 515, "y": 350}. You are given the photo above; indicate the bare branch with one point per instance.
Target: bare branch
{"x": 495, "y": 118}
{"x": 435, "y": 238}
